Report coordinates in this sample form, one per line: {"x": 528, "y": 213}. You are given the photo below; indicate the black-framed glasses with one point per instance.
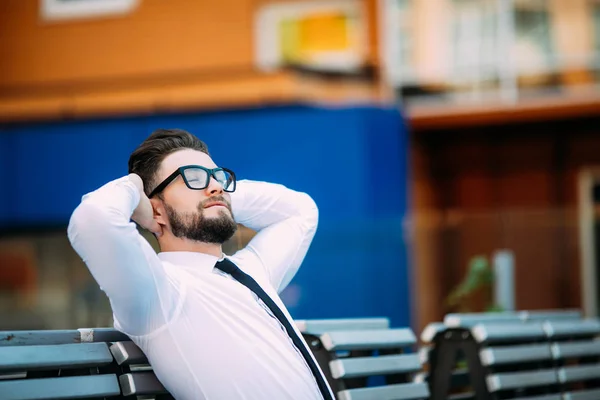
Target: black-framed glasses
{"x": 197, "y": 177}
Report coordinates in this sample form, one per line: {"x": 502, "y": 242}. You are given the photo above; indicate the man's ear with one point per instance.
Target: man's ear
{"x": 158, "y": 210}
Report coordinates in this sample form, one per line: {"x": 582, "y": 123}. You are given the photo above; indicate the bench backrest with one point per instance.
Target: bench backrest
{"x": 369, "y": 363}
{"x": 459, "y": 379}
{"x": 575, "y": 348}
{"x": 67, "y": 364}
{"x": 550, "y": 360}
{"x": 104, "y": 363}
{"x": 517, "y": 360}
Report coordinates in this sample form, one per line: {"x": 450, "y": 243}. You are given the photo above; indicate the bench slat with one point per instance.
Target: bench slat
{"x": 508, "y": 332}
{"x": 591, "y": 394}
{"x": 320, "y": 326}
{"x": 579, "y": 373}
{"x": 73, "y": 387}
{"x": 575, "y": 349}
{"x": 368, "y": 366}
{"x": 515, "y": 354}
{"x": 552, "y": 315}
{"x": 518, "y": 380}
{"x": 584, "y": 328}
{"x": 403, "y": 391}
{"x": 128, "y": 353}
{"x": 24, "y": 338}
{"x": 65, "y": 336}
{"x": 456, "y": 320}
{"x": 367, "y": 340}
{"x": 54, "y": 356}
{"x": 141, "y": 383}
{"x": 466, "y": 320}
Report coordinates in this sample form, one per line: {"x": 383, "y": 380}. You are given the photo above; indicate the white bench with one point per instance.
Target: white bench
{"x": 63, "y": 364}
{"x": 369, "y": 364}
{"x": 104, "y": 363}
{"x": 538, "y": 360}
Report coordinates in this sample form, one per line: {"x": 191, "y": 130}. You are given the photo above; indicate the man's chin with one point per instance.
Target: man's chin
{"x": 217, "y": 212}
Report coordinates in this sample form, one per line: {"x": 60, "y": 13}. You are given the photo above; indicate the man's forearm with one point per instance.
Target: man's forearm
{"x": 102, "y": 234}
{"x": 258, "y": 205}
{"x": 286, "y": 222}
{"x": 119, "y": 198}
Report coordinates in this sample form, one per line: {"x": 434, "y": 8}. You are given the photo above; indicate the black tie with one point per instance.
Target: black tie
{"x": 230, "y": 268}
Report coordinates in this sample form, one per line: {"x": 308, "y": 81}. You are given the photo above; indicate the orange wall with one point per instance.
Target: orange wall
{"x": 160, "y": 37}
{"x": 165, "y": 55}
{"x": 157, "y": 39}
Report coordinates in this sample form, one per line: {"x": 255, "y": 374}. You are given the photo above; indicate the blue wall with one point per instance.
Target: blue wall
{"x": 351, "y": 161}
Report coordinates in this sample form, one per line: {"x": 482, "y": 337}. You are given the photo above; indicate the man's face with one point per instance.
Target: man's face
{"x": 203, "y": 215}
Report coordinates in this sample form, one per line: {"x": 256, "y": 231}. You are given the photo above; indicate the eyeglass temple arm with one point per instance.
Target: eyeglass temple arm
{"x": 164, "y": 184}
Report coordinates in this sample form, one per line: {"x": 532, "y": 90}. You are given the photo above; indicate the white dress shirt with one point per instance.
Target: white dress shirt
{"x": 205, "y": 335}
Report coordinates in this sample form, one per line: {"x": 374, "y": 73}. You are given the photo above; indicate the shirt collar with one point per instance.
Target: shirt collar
{"x": 195, "y": 260}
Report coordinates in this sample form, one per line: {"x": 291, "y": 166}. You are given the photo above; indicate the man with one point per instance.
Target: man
{"x": 202, "y": 324}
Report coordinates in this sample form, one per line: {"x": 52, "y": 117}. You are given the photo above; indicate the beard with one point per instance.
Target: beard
{"x": 196, "y": 226}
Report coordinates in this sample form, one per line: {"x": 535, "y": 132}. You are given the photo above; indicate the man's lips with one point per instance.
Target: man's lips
{"x": 216, "y": 203}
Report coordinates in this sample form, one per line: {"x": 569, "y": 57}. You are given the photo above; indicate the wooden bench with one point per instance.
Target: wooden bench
{"x": 575, "y": 349}
{"x": 365, "y": 364}
{"x": 65, "y": 364}
{"x": 141, "y": 381}
{"x": 459, "y": 380}
{"x": 104, "y": 363}
{"x": 456, "y": 320}
{"x": 539, "y": 360}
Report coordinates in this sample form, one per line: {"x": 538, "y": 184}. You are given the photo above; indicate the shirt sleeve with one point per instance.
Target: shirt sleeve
{"x": 123, "y": 263}
{"x": 285, "y": 221}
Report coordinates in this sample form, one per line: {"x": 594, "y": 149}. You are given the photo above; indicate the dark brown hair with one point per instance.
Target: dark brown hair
{"x": 146, "y": 159}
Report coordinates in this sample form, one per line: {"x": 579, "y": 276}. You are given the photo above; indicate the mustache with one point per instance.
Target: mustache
{"x": 214, "y": 199}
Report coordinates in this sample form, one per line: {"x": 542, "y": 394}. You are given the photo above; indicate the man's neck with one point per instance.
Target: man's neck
{"x": 177, "y": 244}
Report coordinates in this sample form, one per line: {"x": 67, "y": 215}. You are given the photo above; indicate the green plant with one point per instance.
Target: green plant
{"x": 478, "y": 280}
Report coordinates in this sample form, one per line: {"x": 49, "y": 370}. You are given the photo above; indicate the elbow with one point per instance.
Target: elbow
{"x": 77, "y": 221}
{"x": 310, "y": 212}
{"x": 87, "y": 218}
{"x": 82, "y": 219}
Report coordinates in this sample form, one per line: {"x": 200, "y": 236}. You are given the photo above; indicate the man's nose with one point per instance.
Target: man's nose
{"x": 214, "y": 187}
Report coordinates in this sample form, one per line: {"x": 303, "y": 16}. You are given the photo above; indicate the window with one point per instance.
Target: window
{"x": 533, "y": 45}
{"x": 596, "y": 22}
{"x": 75, "y": 9}
{"x": 474, "y": 36}
{"x": 398, "y": 41}
{"x": 324, "y": 36}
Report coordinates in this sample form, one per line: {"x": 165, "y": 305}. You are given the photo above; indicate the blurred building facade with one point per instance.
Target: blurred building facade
{"x": 501, "y": 100}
